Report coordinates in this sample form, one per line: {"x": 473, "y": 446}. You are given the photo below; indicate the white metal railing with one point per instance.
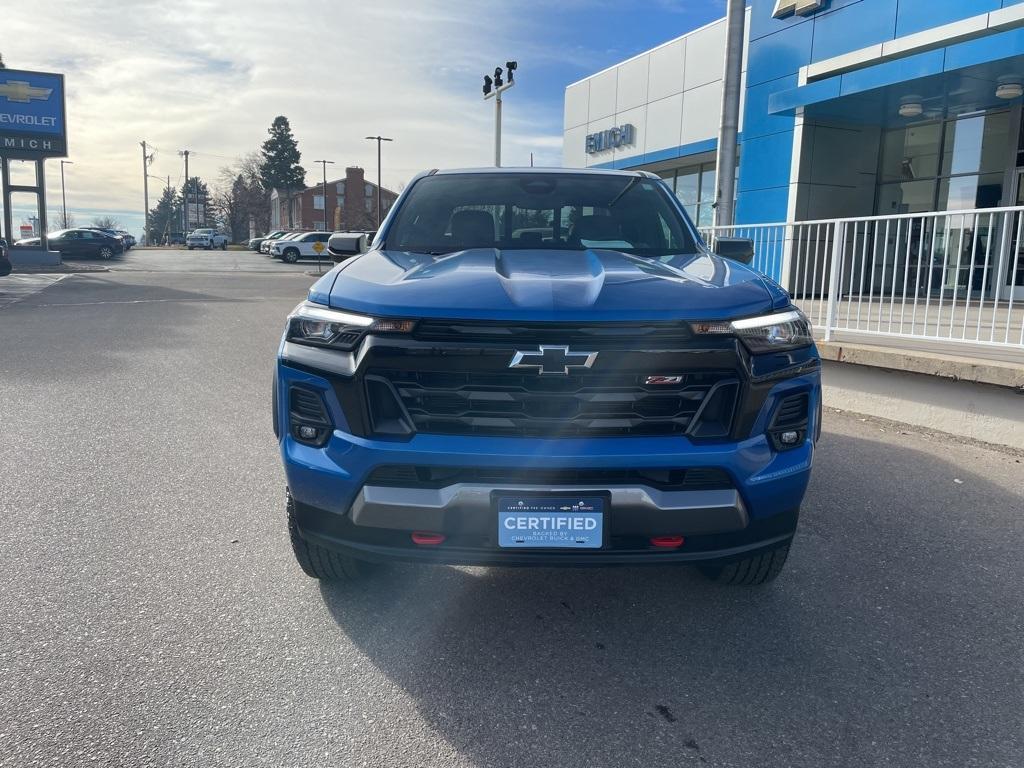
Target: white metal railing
{"x": 955, "y": 276}
{"x": 769, "y": 244}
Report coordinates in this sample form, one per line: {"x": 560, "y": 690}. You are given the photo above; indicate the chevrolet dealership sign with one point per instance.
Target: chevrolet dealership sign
{"x": 32, "y": 117}
{"x": 784, "y": 8}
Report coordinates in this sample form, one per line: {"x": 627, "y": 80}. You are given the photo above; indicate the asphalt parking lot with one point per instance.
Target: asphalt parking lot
{"x": 153, "y": 614}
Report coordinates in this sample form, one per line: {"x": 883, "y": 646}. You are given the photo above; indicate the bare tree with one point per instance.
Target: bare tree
{"x": 62, "y": 222}
{"x": 106, "y": 222}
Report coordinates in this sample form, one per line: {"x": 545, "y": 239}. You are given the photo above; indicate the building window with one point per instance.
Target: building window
{"x": 341, "y": 189}
{"x": 948, "y": 165}
{"x": 369, "y": 190}
{"x": 369, "y": 205}
{"x": 695, "y": 186}
{"x": 318, "y": 202}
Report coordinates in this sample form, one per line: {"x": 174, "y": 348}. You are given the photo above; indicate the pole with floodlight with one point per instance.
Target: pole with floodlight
{"x": 493, "y": 88}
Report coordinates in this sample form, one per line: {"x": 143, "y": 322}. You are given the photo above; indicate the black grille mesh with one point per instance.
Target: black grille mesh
{"x": 528, "y": 405}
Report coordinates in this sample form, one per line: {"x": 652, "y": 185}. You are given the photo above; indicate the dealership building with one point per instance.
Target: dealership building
{"x": 850, "y": 108}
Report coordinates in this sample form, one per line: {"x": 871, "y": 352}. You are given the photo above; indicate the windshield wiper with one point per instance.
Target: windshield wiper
{"x": 632, "y": 182}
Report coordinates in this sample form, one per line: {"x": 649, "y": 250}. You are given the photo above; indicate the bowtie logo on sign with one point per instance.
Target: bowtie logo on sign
{"x": 784, "y": 8}
{"x": 23, "y": 93}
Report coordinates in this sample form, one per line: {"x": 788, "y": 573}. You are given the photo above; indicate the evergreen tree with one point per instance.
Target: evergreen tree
{"x": 279, "y": 167}
{"x": 165, "y": 217}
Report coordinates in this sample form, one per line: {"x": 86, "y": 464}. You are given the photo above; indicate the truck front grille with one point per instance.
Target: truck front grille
{"x": 593, "y": 404}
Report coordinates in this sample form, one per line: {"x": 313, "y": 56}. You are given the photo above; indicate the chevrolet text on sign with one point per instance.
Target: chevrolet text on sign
{"x": 32, "y": 114}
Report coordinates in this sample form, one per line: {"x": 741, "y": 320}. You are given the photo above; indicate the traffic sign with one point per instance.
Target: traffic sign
{"x": 318, "y": 247}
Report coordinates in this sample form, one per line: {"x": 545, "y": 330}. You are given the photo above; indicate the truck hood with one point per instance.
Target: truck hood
{"x": 545, "y": 285}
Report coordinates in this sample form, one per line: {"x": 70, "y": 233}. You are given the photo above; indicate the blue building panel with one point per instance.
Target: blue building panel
{"x": 780, "y": 54}
{"x": 766, "y": 161}
{"x": 892, "y": 72}
{"x": 918, "y": 15}
{"x": 762, "y": 206}
{"x": 861, "y": 24}
{"x": 985, "y": 50}
{"x": 757, "y": 119}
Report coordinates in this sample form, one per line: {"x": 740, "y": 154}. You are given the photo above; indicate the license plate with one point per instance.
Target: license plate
{"x": 564, "y": 522}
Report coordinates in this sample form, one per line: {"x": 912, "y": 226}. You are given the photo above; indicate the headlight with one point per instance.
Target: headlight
{"x": 768, "y": 333}
{"x": 322, "y": 327}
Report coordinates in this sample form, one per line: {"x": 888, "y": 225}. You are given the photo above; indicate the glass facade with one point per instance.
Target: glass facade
{"x": 695, "y": 186}
{"x": 946, "y": 165}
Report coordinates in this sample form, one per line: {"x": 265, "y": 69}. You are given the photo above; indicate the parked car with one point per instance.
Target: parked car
{"x": 206, "y": 238}
{"x": 256, "y": 242}
{"x": 614, "y": 393}
{"x": 129, "y": 239}
{"x": 81, "y": 243}
{"x": 299, "y": 247}
{"x": 265, "y": 245}
{"x": 111, "y": 233}
{"x": 174, "y": 238}
{"x": 5, "y": 259}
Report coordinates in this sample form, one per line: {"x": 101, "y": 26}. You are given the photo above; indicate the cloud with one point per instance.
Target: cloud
{"x": 210, "y": 76}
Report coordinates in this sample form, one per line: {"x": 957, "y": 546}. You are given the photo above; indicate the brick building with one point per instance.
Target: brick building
{"x": 351, "y": 204}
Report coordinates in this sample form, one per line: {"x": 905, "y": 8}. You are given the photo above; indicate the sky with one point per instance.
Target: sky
{"x": 210, "y": 75}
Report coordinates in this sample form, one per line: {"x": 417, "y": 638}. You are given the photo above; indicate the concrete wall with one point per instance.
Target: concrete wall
{"x": 982, "y": 412}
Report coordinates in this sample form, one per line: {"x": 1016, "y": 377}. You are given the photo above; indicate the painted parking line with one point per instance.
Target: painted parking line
{"x": 14, "y": 288}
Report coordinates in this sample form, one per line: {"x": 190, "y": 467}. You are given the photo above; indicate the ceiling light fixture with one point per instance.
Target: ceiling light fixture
{"x": 911, "y": 107}
{"x": 1009, "y": 89}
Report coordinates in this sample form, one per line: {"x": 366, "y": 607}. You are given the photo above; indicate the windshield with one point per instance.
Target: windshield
{"x": 555, "y": 211}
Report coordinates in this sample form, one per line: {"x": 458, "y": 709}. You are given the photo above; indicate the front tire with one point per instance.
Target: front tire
{"x": 106, "y": 253}
{"x": 290, "y": 256}
{"x": 319, "y": 562}
{"x": 761, "y": 568}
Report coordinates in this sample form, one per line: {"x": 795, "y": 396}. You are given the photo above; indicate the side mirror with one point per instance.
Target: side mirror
{"x": 739, "y": 249}
{"x": 346, "y": 244}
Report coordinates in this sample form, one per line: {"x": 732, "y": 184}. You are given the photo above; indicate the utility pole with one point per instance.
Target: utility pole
{"x": 184, "y": 153}
{"x": 63, "y": 195}
{"x": 493, "y": 88}
{"x": 325, "y": 163}
{"x": 378, "y": 139}
{"x": 146, "y": 158}
{"x": 735, "y": 21}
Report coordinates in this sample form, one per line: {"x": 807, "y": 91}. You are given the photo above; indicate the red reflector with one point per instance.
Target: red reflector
{"x": 427, "y": 539}
{"x": 667, "y": 542}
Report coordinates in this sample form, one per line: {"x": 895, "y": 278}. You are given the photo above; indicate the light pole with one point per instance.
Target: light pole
{"x": 728, "y": 129}
{"x": 146, "y": 160}
{"x": 325, "y": 163}
{"x": 378, "y": 139}
{"x": 63, "y": 194}
{"x": 493, "y": 88}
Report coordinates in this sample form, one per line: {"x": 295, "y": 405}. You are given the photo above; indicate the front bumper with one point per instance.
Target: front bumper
{"x": 338, "y": 507}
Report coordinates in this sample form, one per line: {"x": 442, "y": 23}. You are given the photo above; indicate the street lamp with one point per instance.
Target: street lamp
{"x": 63, "y": 194}
{"x": 378, "y": 139}
{"x": 493, "y": 88}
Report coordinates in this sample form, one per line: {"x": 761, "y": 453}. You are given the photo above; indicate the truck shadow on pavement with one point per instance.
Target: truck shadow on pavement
{"x": 891, "y": 638}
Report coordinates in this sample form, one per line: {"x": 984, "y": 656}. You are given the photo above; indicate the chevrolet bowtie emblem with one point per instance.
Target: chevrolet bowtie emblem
{"x": 22, "y": 92}
{"x": 552, "y": 361}
{"x": 784, "y": 8}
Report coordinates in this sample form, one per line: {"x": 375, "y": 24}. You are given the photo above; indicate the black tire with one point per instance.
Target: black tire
{"x": 190, "y": 247}
{"x": 318, "y": 562}
{"x": 209, "y": 247}
{"x": 224, "y": 246}
{"x": 761, "y": 568}
{"x": 106, "y": 253}
{"x": 290, "y": 256}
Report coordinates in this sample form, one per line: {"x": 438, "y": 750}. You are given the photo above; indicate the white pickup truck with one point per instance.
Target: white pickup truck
{"x": 206, "y": 238}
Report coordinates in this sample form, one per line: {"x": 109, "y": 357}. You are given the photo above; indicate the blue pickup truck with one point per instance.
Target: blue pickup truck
{"x": 546, "y": 367}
